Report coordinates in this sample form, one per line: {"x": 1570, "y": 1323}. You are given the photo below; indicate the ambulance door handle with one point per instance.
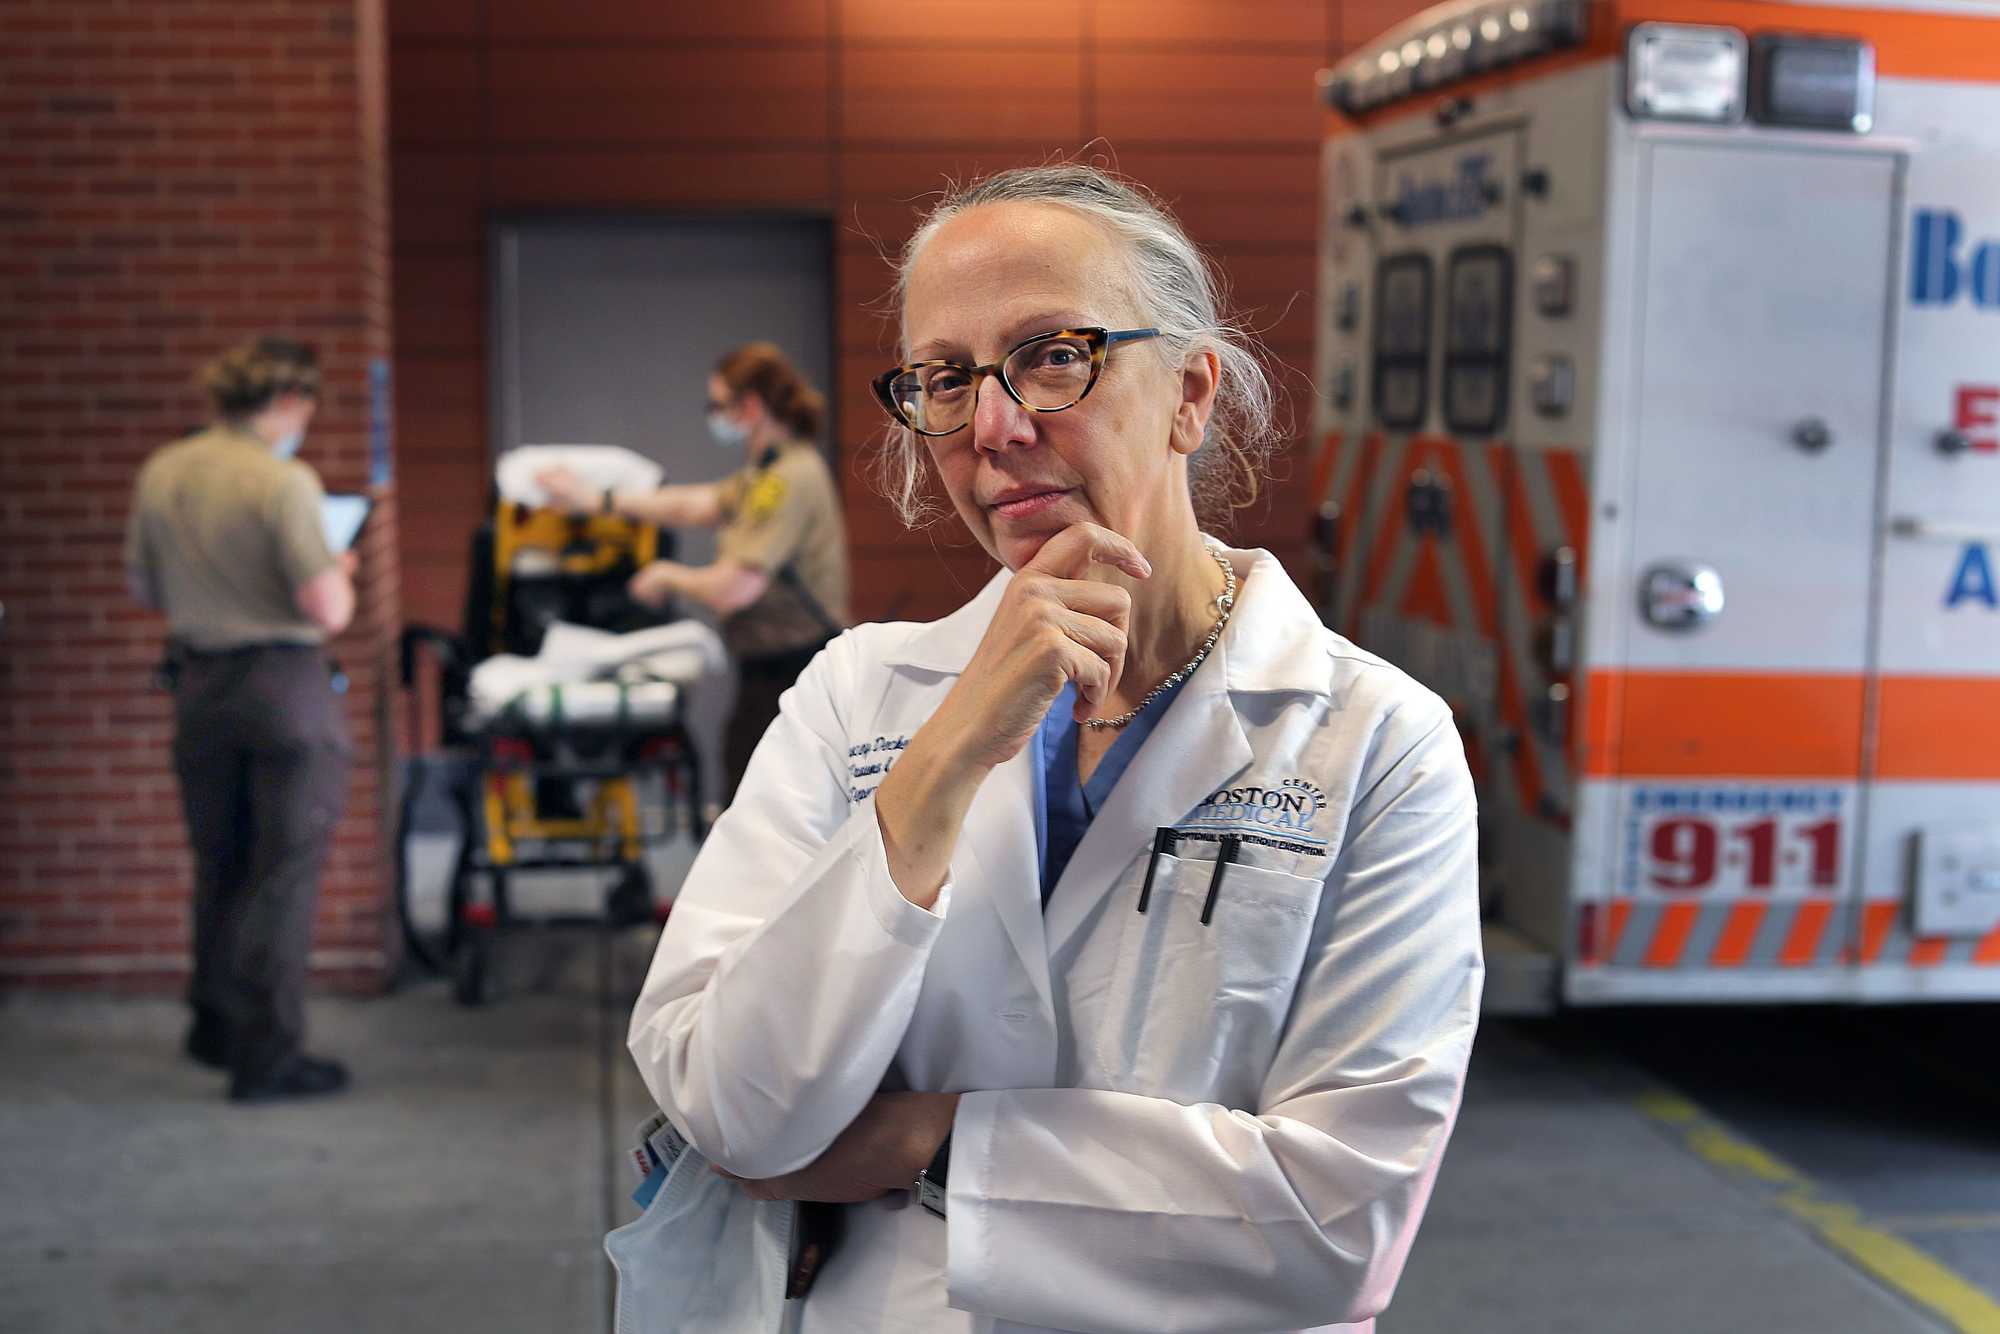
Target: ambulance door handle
{"x": 1812, "y": 434}
{"x": 1942, "y": 530}
{"x": 1680, "y": 597}
{"x": 1550, "y": 713}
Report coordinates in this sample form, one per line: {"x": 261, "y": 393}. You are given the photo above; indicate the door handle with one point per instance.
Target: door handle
{"x": 1935, "y": 530}
{"x": 1680, "y": 597}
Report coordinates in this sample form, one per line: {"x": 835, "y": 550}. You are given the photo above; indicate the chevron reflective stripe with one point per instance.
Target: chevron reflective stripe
{"x": 1342, "y": 475}
{"x": 1775, "y": 933}
{"x": 1886, "y": 939}
{"x": 1459, "y": 607}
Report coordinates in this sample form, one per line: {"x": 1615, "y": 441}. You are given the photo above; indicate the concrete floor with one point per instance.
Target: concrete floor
{"x": 466, "y": 1182}
{"x": 1563, "y": 1209}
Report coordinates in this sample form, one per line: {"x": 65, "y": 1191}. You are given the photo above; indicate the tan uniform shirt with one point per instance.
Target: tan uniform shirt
{"x": 222, "y": 534}
{"x": 782, "y": 512}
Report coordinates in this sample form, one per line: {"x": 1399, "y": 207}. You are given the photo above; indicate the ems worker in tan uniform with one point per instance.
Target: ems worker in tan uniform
{"x": 226, "y": 539}
{"x": 779, "y": 581}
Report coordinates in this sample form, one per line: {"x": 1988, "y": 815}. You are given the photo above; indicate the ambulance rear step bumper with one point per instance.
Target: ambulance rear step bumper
{"x": 1521, "y": 977}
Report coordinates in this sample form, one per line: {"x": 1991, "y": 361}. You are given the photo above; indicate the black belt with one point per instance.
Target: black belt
{"x": 167, "y": 675}
{"x": 177, "y": 649}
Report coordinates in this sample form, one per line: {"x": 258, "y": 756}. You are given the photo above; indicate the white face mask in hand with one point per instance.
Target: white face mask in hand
{"x": 729, "y": 434}
{"x": 285, "y": 446}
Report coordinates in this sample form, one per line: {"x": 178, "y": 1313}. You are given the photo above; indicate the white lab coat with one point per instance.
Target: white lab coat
{"x": 1165, "y": 1126}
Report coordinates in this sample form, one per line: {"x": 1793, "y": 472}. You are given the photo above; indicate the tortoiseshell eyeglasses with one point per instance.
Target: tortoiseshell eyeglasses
{"x": 1047, "y": 373}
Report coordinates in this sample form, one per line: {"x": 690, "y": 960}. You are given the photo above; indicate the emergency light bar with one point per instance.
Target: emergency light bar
{"x": 1681, "y": 71}
{"x": 1823, "y": 83}
{"x": 1451, "y": 42}
{"x": 1684, "y": 71}
{"x": 1673, "y": 71}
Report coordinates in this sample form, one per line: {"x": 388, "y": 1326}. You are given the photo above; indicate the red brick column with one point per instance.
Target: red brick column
{"x": 175, "y": 175}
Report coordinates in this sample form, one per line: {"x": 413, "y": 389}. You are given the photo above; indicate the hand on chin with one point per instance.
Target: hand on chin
{"x": 1020, "y": 541}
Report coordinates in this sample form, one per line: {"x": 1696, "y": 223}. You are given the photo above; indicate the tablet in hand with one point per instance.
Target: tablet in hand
{"x": 342, "y": 515}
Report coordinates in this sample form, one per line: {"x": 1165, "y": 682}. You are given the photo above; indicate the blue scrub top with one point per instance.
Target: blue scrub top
{"x": 1064, "y": 807}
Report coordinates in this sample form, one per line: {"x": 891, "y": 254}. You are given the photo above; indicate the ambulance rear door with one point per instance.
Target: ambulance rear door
{"x": 1736, "y": 702}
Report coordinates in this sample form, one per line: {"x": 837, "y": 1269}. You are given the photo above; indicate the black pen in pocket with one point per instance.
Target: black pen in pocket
{"x": 1163, "y": 844}
{"x": 1223, "y": 856}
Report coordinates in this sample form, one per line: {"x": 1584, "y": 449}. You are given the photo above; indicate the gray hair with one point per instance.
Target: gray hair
{"x": 1177, "y": 290}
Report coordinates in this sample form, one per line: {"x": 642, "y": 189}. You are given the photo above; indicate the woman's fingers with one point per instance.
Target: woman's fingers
{"x": 1107, "y": 602}
{"x": 1092, "y": 675}
{"x": 1103, "y": 639}
{"x": 1070, "y": 553}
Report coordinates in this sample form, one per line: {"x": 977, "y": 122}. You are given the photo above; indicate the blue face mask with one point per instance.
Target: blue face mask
{"x": 729, "y": 434}
{"x": 286, "y": 446}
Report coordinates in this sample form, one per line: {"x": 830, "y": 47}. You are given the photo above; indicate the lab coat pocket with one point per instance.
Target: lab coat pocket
{"x": 704, "y": 1258}
{"x": 1193, "y": 1010}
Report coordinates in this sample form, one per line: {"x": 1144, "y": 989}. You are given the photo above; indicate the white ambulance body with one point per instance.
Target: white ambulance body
{"x": 1659, "y": 366}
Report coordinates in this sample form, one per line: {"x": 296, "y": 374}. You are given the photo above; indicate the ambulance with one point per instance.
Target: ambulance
{"x": 1658, "y": 357}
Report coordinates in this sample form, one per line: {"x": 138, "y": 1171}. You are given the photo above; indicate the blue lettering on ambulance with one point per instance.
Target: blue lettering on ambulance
{"x": 1938, "y": 273}
{"x": 1465, "y": 195}
{"x": 1973, "y": 580}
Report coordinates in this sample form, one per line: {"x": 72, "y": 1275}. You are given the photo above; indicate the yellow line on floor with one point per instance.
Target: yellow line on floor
{"x": 1890, "y": 1260}
{"x": 1937, "y": 1222}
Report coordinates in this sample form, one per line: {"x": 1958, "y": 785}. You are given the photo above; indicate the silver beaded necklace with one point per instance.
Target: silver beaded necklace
{"x": 1227, "y": 604}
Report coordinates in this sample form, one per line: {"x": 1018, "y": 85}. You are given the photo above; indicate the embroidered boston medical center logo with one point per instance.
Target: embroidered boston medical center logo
{"x": 1280, "y": 816}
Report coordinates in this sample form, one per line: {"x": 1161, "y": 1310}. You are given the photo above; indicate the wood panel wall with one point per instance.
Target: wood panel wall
{"x": 856, "y": 109}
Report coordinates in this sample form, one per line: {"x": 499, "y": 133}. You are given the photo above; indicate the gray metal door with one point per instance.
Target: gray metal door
{"x": 605, "y": 329}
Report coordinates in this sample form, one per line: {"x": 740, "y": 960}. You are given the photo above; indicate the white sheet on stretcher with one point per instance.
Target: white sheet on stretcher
{"x": 602, "y": 467}
{"x": 584, "y": 676}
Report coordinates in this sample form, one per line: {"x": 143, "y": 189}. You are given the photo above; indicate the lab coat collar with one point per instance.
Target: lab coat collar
{"x": 999, "y": 838}
{"x": 1274, "y": 641}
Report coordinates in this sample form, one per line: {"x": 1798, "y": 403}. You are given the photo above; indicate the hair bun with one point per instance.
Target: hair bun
{"x": 244, "y": 379}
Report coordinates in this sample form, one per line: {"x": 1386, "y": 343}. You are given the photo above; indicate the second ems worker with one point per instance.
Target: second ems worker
{"x": 226, "y": 538}
{"x": 1111, "y": 946}
{"x": 779, "y": 580}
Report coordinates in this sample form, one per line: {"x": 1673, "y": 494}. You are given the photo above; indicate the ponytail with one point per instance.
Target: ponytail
{"x": 763, "y": 370}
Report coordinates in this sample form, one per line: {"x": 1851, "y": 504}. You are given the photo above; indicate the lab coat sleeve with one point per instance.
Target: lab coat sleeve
{"x": 790, "y": 965}
{"x": 1093, "y": 1210}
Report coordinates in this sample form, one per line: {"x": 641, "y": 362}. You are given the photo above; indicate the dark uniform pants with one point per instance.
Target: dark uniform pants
{"x": 760, "y": 683}
{"x": 262, "y": 752}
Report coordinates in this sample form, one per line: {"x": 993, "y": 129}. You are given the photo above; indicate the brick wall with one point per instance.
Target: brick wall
{"x": 848, "y": 108}
{"x": 175, "y": 175}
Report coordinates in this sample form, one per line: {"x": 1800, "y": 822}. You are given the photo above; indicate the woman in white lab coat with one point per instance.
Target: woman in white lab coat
{"x": 1126, "y": 916}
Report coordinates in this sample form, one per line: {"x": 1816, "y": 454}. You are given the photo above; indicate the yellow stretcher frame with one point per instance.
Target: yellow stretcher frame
{"x": 582, "y": 544}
